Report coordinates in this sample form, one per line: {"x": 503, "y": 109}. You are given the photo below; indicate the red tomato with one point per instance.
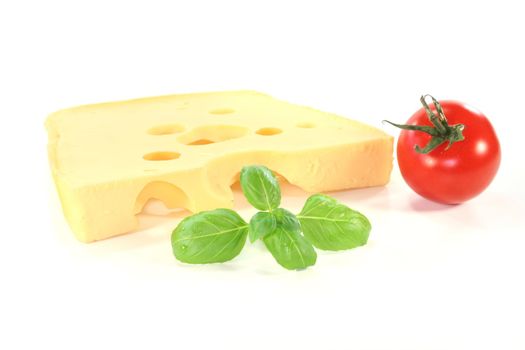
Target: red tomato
{"x": 456, "y": 174}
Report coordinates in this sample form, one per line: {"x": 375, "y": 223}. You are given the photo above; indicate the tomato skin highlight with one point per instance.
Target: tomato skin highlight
{"x": 455, "y": 175}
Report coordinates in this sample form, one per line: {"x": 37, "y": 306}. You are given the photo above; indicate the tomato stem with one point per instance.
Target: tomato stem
{"x": 441, "y": 131}
{"x": 439, "y": 121}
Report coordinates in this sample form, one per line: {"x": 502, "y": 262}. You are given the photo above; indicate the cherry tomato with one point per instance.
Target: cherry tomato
{"x": 448, "y": 154}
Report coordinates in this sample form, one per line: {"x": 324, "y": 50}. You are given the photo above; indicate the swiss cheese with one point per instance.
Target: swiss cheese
{"x": 109, "y": 159}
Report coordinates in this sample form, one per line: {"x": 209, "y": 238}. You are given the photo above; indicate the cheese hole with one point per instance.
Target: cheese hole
{"x": 305, "y": 125}
{"x": 200, "y": 142}
{"x": 208, "y": 134}
{"x": 268, "y": 131}
{"x": 161, "y": 155}
{"x": 167, "y": 129}
{"x": 159, "y": 198}
{"x": 224, "y": 110}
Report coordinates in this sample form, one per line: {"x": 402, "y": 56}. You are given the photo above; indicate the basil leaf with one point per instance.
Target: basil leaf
{"x": 261, "y": 224}
{"x": 209, "y": 237}
{"x": 260, "y": 187}
{"x": 330, "y": 225}
{"x": 291, "y": 250}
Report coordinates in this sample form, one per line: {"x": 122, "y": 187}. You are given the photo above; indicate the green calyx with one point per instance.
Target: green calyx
{"x": 441, "y": 131}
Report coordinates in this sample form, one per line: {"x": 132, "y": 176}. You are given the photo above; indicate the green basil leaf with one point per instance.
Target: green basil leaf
{"x": 260, "y": 187}
{"x": 291, "y": 250}
{"x": 209, "y": 237}
{"x": 330, "y": 225}
{"x": 261, "y": 224}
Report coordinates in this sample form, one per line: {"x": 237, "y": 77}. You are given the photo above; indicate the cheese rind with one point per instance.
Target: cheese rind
{"x": 109, "y": 159}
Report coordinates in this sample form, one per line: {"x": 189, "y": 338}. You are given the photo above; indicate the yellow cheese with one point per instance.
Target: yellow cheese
{"x": 109, "y": 159}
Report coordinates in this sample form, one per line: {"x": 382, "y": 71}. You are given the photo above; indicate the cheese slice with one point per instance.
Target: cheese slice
{"x": 109, "y": 159}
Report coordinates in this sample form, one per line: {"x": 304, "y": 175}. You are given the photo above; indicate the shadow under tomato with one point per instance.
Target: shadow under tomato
{"x": 421, "y": 204}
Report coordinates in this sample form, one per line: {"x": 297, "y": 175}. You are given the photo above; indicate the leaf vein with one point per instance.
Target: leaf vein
{"x": 211, "y": 234}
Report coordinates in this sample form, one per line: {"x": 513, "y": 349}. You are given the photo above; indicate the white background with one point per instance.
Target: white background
{"x": 431, "y": 277}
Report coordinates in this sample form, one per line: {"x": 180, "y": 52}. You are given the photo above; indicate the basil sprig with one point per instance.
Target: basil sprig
{"x": 219, "y": 235}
